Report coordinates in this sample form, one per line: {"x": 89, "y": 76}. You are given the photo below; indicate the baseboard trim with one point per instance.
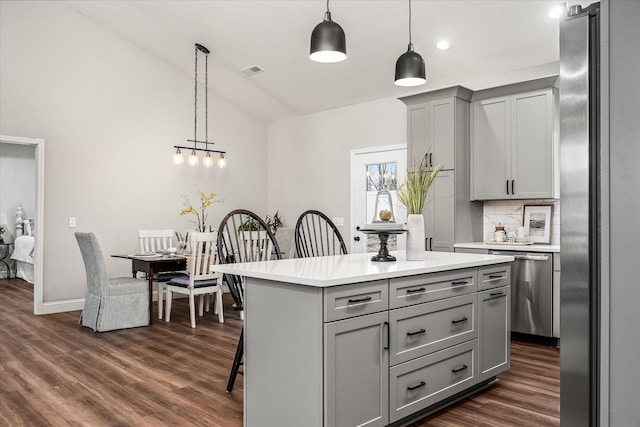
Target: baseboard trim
{"x": 62, "y": 306}
{"x": 78, "y": 304}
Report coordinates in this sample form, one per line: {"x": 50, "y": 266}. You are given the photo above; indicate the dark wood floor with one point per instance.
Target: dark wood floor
{"x": 56, "y": 373}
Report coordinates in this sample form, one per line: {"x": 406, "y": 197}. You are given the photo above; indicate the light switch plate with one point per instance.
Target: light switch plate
{"x": 72, "y": 222}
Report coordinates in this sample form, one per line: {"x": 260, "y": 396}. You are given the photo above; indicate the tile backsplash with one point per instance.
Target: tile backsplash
{"x": 510, "y": 213}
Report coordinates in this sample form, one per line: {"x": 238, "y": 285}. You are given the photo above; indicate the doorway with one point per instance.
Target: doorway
{"x": 38, "y": 144}
{"x": 371, "y": 170}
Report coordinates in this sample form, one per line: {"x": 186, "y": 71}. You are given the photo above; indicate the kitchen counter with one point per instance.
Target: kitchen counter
{"x": 325, "y": 337}
{"x": 336, "y": 270}
{"x": 536, "y": 247}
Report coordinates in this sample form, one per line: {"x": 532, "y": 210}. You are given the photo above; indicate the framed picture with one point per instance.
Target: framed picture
{"x": 537, "y": 223}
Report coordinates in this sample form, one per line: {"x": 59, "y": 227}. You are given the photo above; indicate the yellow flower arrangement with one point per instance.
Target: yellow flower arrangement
{"x": 201, "y": 218}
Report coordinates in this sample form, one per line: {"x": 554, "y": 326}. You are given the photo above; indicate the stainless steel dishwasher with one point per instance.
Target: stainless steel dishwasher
{"x": 531, "y": 292}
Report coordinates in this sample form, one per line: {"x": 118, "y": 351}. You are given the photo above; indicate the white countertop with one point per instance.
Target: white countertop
{"x": 536, "y": 247}
{"x": 344, "y": 269}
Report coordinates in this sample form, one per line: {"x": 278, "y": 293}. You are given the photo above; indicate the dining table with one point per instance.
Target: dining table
{"x": 152, "y": 264}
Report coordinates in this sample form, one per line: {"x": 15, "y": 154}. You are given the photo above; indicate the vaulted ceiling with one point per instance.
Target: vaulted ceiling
{"x": 494, "y": 42}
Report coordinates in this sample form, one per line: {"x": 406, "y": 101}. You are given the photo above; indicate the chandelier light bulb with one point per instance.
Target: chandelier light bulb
{"x": 178, "y": 158}
{"x": 222, "y": 161}
{"x": 207, "y": 161}
{"x": 193, "y": 159}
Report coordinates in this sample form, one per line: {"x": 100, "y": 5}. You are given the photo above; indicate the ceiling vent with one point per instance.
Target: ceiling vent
{"x": 252, "y": 70}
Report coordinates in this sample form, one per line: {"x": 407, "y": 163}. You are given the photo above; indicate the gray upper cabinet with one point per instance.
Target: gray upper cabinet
{"x": 438, "y": 131}
{"x": 435, "y": 129}
{"x": 514, "y": 146}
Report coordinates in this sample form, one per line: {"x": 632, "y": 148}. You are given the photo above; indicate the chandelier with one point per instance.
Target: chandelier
{"x": 202, "y": 146}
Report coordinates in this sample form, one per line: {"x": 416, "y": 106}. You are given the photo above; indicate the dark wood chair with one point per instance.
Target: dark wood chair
{"x": 243, "y": 237}
{"x": 316, "y": 235}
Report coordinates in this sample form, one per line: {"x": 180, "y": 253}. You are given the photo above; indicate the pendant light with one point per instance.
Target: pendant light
{"x": 410, "y": 68}
{"x": 328, "y": 43}
{"x": 207, "y": 161}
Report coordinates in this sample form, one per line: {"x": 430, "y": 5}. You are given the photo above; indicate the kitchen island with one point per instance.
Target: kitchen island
{"x": 342, "y": 340}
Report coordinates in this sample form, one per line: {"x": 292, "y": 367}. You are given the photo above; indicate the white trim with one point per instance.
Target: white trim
{"x": 352, "y": 162}
{"x": 38, "y": 285}
{"x": 380, "y": 149}
{"x": 62, "y": 306}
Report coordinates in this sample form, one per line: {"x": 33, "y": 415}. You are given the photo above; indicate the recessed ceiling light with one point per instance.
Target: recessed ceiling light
{"x": 443, "y": 45}
{"x": 556, "y": 12}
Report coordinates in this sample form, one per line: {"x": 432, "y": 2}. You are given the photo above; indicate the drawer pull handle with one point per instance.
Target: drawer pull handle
{"x": 417, "y": 386}
{"x": 355, "y": 301}
{"x": 461, "y": 282}
{"x": 413, "y": 291}
{"x": 418, "y": 332}
{"x": 495, "y": 294}
{"x": 464, "y": 319}
{"x": 455, "y": 371}
{"x": 386, "y": 327}
{"x": 496, "y": 276}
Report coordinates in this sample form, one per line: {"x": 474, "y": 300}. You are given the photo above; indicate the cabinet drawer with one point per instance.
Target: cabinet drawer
{"x": 412, "y": 290}
{"x": 422, "y": 329}
{"x": 422, "y": 382}
{"x": 494, "y": 276}
{"x": 342, "y": 302}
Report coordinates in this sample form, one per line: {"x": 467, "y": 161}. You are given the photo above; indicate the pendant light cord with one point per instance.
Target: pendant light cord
{"x": 206, "y": 99}
{"x": 410, "y": 44}
{"x": 195, "y": 101}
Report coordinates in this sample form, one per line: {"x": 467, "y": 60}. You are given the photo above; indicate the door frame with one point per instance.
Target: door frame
{"x": 354, "y": 153}
{"x": 38, "y": 285}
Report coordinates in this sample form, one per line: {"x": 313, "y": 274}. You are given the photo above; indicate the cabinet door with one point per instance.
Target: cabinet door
{"x": 494, "y": 329}
{"x": 439, "y": 213}
{"x": 442, "y": 133}
{"x": 443, "y": 212}
{"x": 490, "y": 151}
{"x": 417, "y": 134}
{"x": 532, "y": 145}
{"x": 357, "y": 371}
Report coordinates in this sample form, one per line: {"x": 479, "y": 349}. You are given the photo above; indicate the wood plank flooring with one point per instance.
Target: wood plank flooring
{"x": 56, "y": 373}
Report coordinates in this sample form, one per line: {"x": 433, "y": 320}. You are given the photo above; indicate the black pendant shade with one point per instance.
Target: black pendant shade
{"x": 410, "y": 69}
{"x": 328, "y": 42}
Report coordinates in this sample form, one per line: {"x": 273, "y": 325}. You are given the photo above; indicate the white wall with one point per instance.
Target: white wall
{"x": 110, "y": 114}
{"x": 17, "y": 184}
{"x": 309, "y": 156}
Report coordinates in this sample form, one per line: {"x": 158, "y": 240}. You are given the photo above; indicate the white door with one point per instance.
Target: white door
{"x": 372, "y": 168}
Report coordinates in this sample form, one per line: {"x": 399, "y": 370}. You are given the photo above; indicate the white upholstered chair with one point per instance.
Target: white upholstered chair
{"x": 159, "y": 241}
{"x": 200, "y": 281}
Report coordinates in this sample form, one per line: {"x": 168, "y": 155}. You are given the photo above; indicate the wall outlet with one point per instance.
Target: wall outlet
{"x": 72, "y": 222}
{"x": 338, "y": 221}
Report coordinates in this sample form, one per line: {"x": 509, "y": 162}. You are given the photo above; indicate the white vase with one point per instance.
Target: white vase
{"x": 415, "y": 238}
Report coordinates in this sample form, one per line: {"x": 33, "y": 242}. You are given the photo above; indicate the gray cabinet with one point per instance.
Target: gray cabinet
{"x": 495, "y": 331}
{"x": 357, "y": 372}
{"x": 371, "y": 353}
{"x": 514, "y": 146}
{"x": 431, "y": 132}
{"x": 438, "y": 132}
{"x": 439, "y": 213}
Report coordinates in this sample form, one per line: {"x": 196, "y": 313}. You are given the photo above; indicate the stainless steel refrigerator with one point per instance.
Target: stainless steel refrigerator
{"x": 580, "y": 216}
